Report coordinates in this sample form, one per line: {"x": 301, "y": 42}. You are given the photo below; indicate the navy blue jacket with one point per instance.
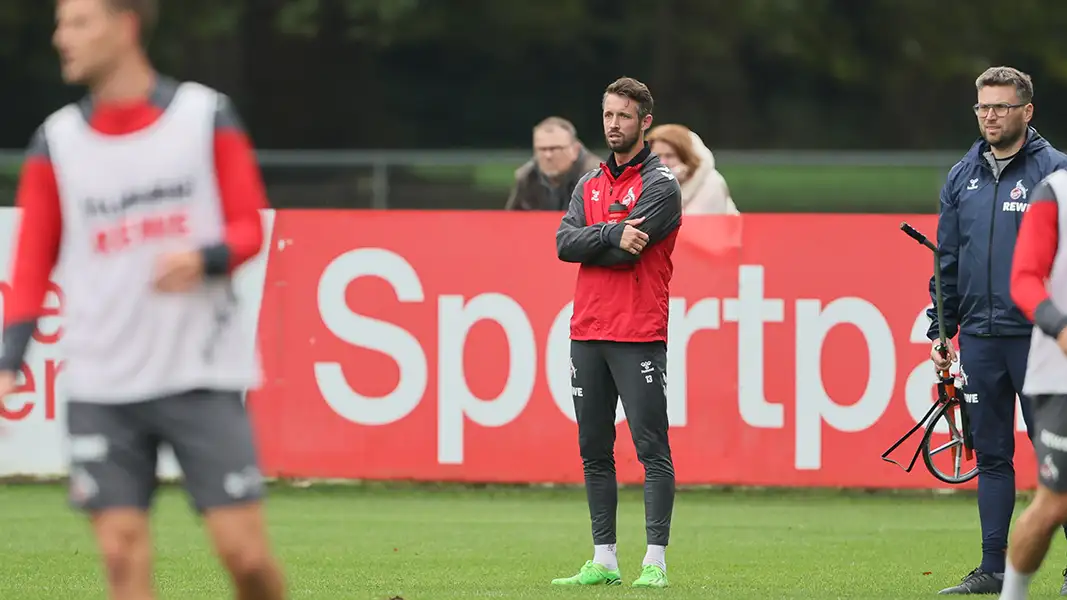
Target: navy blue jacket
{"x": 976, "y": 230}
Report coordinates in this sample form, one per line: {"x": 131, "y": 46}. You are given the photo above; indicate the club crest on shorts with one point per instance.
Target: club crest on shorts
{"x": 1048, "y": 469}
{"x": 82, "y": 486}
{"x": 243, "y": 483}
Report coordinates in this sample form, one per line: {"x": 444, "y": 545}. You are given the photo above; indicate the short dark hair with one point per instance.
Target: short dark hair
{"x": 146, "y": 11}
{"x": 628, "y": 87}
{"x": 997, "y": 76}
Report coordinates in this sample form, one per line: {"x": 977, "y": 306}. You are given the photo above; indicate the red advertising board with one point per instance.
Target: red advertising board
{"x": 434, "y": 346}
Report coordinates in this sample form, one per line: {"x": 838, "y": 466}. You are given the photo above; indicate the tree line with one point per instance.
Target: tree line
{"x": 745, "y": 74}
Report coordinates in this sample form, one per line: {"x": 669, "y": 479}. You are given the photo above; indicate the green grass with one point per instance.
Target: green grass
{"x": 373, "y": 543}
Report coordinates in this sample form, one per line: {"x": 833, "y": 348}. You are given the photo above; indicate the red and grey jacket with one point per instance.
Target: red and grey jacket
{"x": 619, "y": 296}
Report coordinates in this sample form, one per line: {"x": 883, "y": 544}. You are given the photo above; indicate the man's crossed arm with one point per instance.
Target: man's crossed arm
{"x": 659, "y": 208}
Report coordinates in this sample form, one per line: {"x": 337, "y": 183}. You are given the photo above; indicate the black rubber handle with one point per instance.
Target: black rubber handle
{"x": 918, "y": 237}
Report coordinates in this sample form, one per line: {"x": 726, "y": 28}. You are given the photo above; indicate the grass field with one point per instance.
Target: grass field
{"x": 356, "y": 543}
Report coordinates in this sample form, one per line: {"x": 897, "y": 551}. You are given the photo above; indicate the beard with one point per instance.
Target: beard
{"x": 1008, "y": 136}
{"x": 623, "y": 144}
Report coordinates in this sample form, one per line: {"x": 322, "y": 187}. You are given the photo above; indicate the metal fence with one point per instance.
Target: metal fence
{"x": 481, "y": 179}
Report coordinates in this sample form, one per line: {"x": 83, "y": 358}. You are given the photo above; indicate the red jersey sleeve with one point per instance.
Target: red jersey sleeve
{"x": 242, "y": 192}
{"x": 1035, "y": 250}
{"x": 37, "y": 241}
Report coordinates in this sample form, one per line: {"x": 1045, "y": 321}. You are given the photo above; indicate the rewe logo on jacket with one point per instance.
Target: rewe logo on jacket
{"x": 1017, "y": 193}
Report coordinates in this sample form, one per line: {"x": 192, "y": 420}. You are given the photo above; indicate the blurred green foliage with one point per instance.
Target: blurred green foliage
{"x": 745, "y": 74}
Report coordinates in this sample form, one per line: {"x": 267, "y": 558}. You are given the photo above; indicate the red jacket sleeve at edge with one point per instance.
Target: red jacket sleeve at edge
{"x": 1035, "y": 249}
{"x": 37, "y": 241}
{"x": 243, "y": 194}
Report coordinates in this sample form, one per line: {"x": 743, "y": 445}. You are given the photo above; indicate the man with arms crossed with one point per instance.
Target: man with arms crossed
{"x": 145, "y": 197}
{"x": 982, "y": 203}
{"x": 621, "y": 227}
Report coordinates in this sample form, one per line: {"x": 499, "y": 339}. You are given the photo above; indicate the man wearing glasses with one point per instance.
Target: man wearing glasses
{"x": 545, "y": 182}
{"x": 982, "y": 204}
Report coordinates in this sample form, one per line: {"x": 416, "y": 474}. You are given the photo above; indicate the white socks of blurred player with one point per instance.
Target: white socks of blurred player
{"x": 1016, "y": 585}
{"x": 604, "y": 555}
{"x": 656, "y": 555}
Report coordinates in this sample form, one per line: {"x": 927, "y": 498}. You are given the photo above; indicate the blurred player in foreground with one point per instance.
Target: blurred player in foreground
{"x": 144, "y": 197}
{"x": 984, "y": 198}
{"x": 1039, "y": 258}
{"x": 621, "y": 226}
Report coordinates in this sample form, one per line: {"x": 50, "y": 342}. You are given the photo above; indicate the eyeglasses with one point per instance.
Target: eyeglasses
{"x": 549, "y": 149}
{"x": 1000, "y": 110}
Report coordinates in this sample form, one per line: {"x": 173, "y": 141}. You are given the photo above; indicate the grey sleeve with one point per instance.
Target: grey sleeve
{"x": 17, "y": 338}
{"x": 1049, "y": 319}
{"x": 577, "y": 242}
{"x": 226, "y": 116}
{"x": 38, "y": 146}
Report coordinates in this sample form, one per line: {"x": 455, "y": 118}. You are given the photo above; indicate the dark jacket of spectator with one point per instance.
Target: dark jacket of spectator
{"x": 534, "y": 191}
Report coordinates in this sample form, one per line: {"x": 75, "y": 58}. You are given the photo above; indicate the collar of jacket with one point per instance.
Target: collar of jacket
{"x": 1034, "y": 143}
{"x": 615, "y": 170}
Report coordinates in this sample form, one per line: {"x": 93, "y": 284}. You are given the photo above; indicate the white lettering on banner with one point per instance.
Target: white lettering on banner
{"x": 456, "y": 402}
{"x": 372, "y": 334}
{"x": 813, "y": 404}
{"x": 750, "y": 310}
{"x": 454, "y": 398}
{"x": 704, "y": 315}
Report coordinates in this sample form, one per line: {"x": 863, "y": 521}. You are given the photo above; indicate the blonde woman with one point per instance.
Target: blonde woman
{"x": 704, "y": 190}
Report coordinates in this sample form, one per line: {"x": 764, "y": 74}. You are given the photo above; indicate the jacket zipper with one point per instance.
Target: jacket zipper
{"x": 989, "y": 256}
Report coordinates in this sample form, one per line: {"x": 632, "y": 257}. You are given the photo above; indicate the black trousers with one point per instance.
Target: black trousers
{"x": 602, "y": 372}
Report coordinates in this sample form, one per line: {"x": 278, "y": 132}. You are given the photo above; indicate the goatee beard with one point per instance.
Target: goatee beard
{"x": 624, "y": 145}
{"x": 1006, "y": 142}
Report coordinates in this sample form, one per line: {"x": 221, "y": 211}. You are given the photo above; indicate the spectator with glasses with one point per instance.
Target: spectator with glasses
{"x": 546, "y": 181}
{"x": 982, "y": 203}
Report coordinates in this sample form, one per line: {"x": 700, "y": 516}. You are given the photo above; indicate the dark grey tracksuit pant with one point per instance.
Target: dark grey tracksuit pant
{"x": 601, "y": 373}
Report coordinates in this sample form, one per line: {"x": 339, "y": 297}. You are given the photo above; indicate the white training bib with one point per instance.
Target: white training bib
{"x": 126, "y": 200}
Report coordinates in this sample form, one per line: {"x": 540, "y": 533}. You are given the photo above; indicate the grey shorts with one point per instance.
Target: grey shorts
{"x": 1050, "y": 440}
{"x": 114, "y": 450}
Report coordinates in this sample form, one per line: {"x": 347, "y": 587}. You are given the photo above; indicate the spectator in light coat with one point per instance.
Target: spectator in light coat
{"x": 704, "y": 190}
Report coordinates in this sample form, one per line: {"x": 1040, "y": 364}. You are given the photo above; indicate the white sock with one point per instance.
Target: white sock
{"x": 656, "y": 555}
{"x": 604, "y": 555}
{"x": 1016, "y": 584}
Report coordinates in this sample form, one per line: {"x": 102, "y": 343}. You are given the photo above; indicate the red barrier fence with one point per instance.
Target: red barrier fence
{"x": 433, "y": 346}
